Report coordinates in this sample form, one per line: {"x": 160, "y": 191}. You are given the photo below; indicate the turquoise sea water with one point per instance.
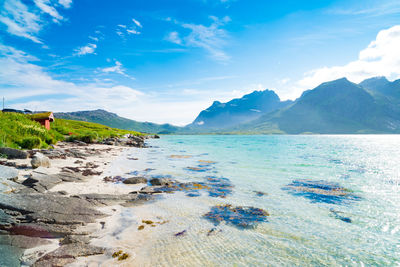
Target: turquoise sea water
{"x": 301, "y": 229}
{"x": 361, "y": 231}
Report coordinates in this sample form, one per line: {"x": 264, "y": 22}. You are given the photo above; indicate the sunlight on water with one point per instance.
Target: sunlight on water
{"x": 304, "y": 227}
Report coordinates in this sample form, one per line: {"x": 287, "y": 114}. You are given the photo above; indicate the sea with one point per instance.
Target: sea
{"x": 262, "y": 200}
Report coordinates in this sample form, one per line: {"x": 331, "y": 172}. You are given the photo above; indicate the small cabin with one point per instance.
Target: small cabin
{"x": 43, "y": 118}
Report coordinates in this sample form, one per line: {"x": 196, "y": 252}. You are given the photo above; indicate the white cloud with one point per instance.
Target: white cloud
{"x": 27, "y": 22}
{"x": 123, "y": 29}
{"x": 118, "y": 68}
{"x": 84, "y": 50}
{"x": 132, "y": 31}
{"x": 380, "y": 58}
{"x": 211, "y": 38}
{"x": 173, "y": 37}
{"x": 20, "y": 21}
{"x": 137, "y": 23}
{"x": 65, "y": 3}
{"x": 19, "y": 78}
{"x": 47, "y": 8}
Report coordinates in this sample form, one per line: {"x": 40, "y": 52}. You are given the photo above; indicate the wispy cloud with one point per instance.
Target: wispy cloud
{"x": 46, "y": 7}
{"x": 20, "y": 21}
{"x": 173, "y": 37}
{"x": 380, "y": 8}
{"x": 123, "y": 30}
{"x": 65, "y": 3}
{"x": 27, "y": 22}
{"x": 20, "y": 78}
{"x": 137, "y": 23}
{"x": 211, "y": 38}
{"x": 84, "y": 50}
{"x": 118, "y": 68}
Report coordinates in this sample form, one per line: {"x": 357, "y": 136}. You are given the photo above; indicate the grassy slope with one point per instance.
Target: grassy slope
{"x": 113, "y": 120}
{"x": 19, "y": 131}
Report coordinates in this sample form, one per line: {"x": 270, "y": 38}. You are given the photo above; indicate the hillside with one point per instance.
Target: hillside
{"x": 334, "y": 107}
{"x": 113, "y": 120}
{"x": 241, "y": 110}
{"x": 19, "y": 131}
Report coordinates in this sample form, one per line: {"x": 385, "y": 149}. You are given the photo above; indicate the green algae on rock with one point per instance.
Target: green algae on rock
{"x": 240, "y": 216}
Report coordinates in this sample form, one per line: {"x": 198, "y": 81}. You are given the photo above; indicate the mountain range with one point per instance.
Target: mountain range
{"x": 335, "y": 107}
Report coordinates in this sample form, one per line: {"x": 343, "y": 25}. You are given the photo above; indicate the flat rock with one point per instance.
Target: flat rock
{"x": 22, "y": 241}
{"x": 135, "y": 180}
{"x": 70, "y": 239}
{"x": 107, "y": 199}
{"x": 12, "y": 153}
{"x": 8, "y": 173}
{"x": 51, "y": 208}
{"x": 69, "y": 251}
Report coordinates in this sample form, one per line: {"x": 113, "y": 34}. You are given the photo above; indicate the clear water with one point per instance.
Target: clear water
{"x": 299, "y": 231}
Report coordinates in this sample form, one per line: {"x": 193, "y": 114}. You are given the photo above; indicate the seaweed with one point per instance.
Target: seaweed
{"x": 240, "y": 216}
{"x": 181, "y": 233}
{"x": 321, "y": 191}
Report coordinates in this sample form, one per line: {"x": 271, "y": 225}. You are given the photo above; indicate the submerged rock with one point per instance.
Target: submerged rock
{"x": 321, "y": 191}
{"x": 242, "y": 217}
{"x": 340, "y": 216}
{"x": 161, "y": 181}
{"x": 135, "y": 180}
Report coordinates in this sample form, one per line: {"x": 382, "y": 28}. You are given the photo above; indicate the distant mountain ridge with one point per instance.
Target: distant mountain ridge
{"x": 240, "y": 110}
{"x": 336, "y": 107}
{"x": 115, "y": 121}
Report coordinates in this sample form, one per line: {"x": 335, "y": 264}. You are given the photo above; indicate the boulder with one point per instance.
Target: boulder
{"x": 8, "y": 173}
{"x": 40, "y": 160}
{"x": 12, "y": 153}
{"x": 161, "y": 181}
{"x": 135, "y": 180}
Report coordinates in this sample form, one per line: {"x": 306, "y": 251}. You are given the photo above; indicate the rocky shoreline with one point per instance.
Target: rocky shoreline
{"x": 50, "y": 224}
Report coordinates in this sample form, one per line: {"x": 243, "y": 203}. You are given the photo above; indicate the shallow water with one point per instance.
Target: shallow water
{"x": 293, "y": 178}
{"x": 363, "y": 229}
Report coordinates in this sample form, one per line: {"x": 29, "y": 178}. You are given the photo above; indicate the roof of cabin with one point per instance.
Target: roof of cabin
{"x": 43, "y": 116}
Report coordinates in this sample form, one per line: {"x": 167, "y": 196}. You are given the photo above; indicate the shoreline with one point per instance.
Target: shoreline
{"x": 61, "y": 239}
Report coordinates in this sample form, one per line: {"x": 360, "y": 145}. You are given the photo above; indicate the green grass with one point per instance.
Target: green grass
{"x": 19, "y": 131}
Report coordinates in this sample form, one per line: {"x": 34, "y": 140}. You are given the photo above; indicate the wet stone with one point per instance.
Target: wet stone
{"x": 321, "y": 191}
{"x": 241, "y": 216}
{"x": 340, "y": 216}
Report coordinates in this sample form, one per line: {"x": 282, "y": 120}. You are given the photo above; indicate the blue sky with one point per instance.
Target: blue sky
{"x": 165, "y": 61}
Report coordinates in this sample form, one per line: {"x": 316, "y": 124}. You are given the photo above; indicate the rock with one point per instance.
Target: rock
{"x": 12, "y": 153}
{"x": 51, "y": 209}
{"x": 68, "y": 252}
{"x": 107, "y": 199}
{"x": 22, "y": 241}
{"x": 240, "y": 216}
{"x": 41, "y": 182}
{"x": 156, "y": 136}
{"x": 75, "y": 239}
{"x": 161, "y": 181}
{"x": 40, "y": 160}
{"x": 8, "y": 173}
{"x": 135, "y": 180}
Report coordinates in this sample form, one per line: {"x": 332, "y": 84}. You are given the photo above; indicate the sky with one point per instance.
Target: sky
{"x": 166, "y": 60}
